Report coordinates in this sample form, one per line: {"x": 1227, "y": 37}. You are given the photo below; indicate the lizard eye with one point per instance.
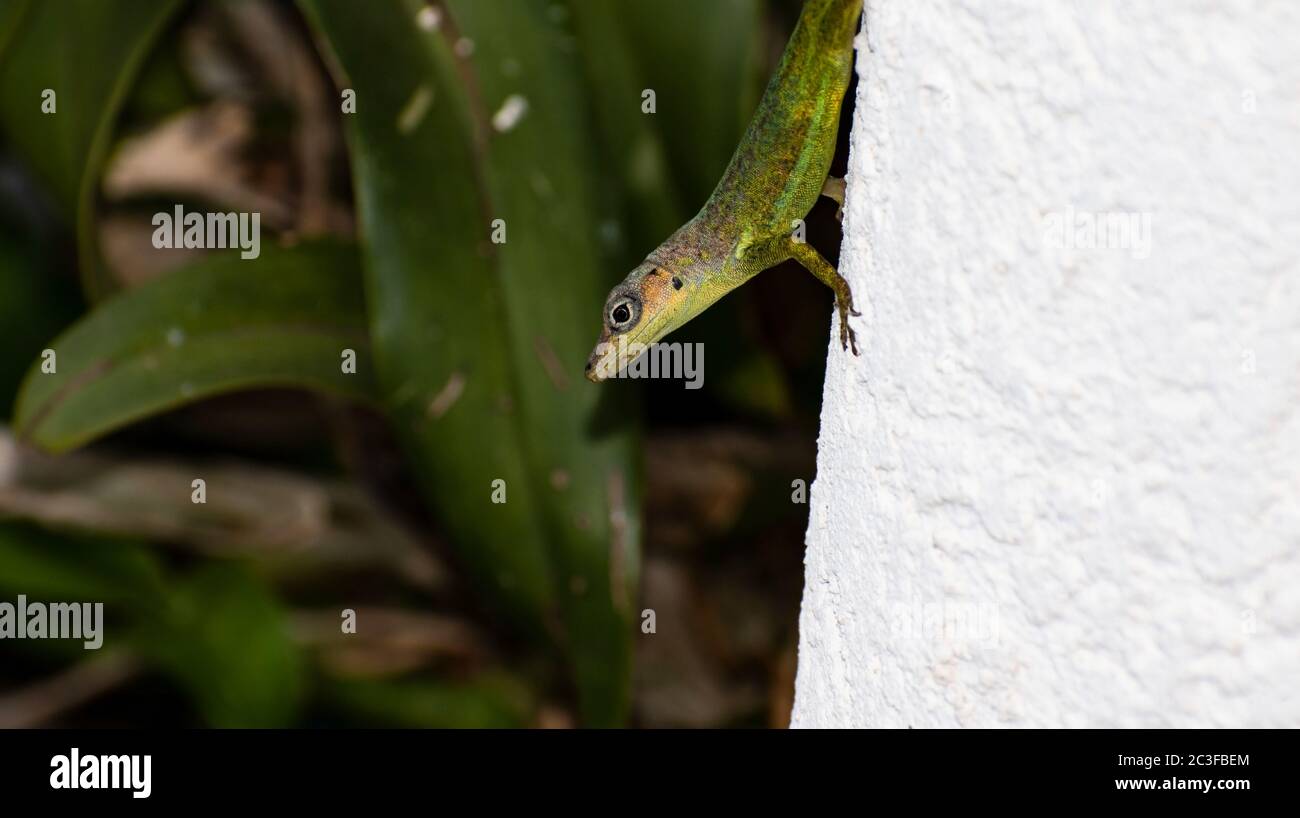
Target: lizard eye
{"x": 622, "y": 313}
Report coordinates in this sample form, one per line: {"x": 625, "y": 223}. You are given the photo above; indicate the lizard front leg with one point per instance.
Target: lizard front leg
{"x": 826, "y": 274}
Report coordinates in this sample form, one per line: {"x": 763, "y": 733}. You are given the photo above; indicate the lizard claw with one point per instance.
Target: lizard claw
{"x": 848, "y": 338}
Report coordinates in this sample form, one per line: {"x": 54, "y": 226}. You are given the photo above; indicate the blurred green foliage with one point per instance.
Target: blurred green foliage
{"x": 224, "y": 324}
{"x": 495, "y": 322}
{"x": 87, "y": 52}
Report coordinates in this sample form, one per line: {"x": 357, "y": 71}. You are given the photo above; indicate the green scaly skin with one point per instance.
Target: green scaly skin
{"x": 747, "y": 225}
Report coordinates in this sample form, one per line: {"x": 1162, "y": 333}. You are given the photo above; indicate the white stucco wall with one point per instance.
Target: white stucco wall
{"x": 1061, "y": 486}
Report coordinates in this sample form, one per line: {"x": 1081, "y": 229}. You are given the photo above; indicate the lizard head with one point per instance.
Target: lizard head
{"x": 651, "y": 302}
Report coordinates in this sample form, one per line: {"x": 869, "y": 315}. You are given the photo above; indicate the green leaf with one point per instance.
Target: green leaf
{"x": 700, "y": 61}
{"x": 163, "y": 88}
{"x": 704, "y": 62}
{"x": 480, "y": 346}
{"x": 222, "y": 324}
{"x": 219, "y": 634}
{"x": 632, "y": 146}
{"x": 88, "y": 53}
{"x": 34, "y": 304}
{"x": 11, "y": 14}
{"x": 64, "y": 567}
{"x": 488, "y": 702}
{"x": 224, "y": 638}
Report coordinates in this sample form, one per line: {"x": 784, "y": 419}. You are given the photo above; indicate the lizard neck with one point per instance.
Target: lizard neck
{"x": 698, "y": 248}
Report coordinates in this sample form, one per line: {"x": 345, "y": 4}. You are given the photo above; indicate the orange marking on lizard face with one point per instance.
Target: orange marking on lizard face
{"x": 656, "y": 291}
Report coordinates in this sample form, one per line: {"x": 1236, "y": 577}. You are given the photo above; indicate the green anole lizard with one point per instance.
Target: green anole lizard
{"x": 748, "y": 224}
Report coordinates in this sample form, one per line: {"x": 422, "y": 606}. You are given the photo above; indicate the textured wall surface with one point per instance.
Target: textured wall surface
{"x": 1061, "y": 486}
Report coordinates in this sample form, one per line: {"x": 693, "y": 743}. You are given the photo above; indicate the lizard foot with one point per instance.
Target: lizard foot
{"x": 848, "y": 338}
{"x": 844, "y": 302}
